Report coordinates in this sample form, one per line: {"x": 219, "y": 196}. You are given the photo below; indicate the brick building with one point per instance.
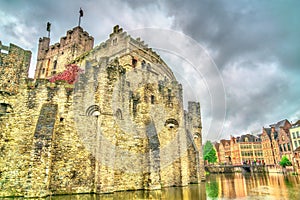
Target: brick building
{"x": 295, "y": 135}
{"x": 267, "y": 146}
{"x": 225, "y": 152}
{"x": 281, "y": 140}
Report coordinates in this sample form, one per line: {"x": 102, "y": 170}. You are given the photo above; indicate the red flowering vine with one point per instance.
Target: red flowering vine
{"x": 70, "y": 74}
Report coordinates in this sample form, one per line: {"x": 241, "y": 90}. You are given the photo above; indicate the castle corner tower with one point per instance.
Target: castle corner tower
{"x": 51, "y": 59}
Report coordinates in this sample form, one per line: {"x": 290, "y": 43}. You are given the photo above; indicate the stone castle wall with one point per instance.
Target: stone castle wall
{"x": 14, "y": 65}
{"x": 122, "y": 126}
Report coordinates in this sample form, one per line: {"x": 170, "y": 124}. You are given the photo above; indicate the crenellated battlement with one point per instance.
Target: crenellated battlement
{"x": 120, "y": 44}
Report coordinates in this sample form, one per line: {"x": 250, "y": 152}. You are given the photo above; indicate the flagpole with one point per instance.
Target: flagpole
{"x": 48, "y": 28}
{"x": 80, "y": 15}
{"x": 79, "y": 20}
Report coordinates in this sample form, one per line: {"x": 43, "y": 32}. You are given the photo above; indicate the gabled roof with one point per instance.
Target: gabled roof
{"x": 275, "y": 135}
{"x": 268, "y": 131}
{"x": 224, "y": 141}
{"x": 297, "y": 124}
{"x": 217, "y": 145}
{"x": 279, "y": 124}
{"x": 297, "y": 149}
{"x": 251, "y": 138}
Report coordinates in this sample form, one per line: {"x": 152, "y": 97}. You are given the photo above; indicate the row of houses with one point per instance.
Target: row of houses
{"x": 267, "y": 148}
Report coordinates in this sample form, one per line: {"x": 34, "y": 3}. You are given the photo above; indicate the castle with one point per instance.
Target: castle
{"x": 119, "y": 126}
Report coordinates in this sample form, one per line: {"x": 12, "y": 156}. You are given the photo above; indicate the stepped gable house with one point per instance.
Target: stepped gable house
{"x": 94, "y": 120}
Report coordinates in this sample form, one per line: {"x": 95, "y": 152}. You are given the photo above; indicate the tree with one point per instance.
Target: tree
{"x": 285, "y": 162}
{"x": 209, "y": 152}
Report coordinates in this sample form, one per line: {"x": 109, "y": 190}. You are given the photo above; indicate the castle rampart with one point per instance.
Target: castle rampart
{"x": 121, "y": 126}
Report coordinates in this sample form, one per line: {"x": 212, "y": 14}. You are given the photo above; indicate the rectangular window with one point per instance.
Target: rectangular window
{"x": 298, "y": 134}
{"x": 295, "y": 144}
{"x": 152, "y": 99}
{"x": 294, "y": 135}
{"x": 54, "y": 64}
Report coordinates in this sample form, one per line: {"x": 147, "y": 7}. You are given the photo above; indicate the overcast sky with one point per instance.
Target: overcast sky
{"x": 240, "y": 59}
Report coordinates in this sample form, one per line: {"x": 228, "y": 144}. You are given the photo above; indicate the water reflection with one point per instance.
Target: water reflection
{"x": 217, "y": 186}
{"x": 252, "y": 186}
{"x": 193, "y": 191}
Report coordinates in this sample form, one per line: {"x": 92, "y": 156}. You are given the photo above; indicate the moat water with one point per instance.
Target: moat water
{"x": 217, "y": 186}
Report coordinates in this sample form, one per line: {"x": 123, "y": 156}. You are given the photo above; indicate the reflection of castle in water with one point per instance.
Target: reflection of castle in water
{"x": 238, "y": 185}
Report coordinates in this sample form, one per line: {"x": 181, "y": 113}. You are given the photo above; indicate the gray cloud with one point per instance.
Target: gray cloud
{"x": 254, "y": 44}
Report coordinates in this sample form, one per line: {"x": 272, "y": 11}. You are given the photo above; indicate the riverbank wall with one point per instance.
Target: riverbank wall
{"x": 236, "y": 169}
{"x": 249, "y": 168}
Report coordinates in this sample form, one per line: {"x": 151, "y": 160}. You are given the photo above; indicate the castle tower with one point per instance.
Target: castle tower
{"x": 51, "y": 59}
{"x": 195, "y": 125}
{"x": 14, "y": 66}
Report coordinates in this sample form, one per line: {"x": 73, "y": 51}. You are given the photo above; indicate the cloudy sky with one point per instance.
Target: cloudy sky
{"x": 240, "y": 59}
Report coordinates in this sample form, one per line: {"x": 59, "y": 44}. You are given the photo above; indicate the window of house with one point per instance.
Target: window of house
{"x": 295, "y": 144}
{"x": 293, "y": 135}
{"x": 43, "y": 71}
{"x": 280, "y": 147}
{"x": 289, "y": 146}
{"x": 297, "y": 134}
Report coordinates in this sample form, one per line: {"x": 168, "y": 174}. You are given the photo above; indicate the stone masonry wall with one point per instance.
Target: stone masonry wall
{"x": 122, "y": 126}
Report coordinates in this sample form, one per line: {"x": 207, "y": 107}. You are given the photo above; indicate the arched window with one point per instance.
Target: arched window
{"x": 143, "y": 64}
{"x": 171, "y": 123}
{"x": 119, "y": 114}
{"x": 93, "y": 110}
{"x": 149, "y": 67}
{"x": 197, "y": 135}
